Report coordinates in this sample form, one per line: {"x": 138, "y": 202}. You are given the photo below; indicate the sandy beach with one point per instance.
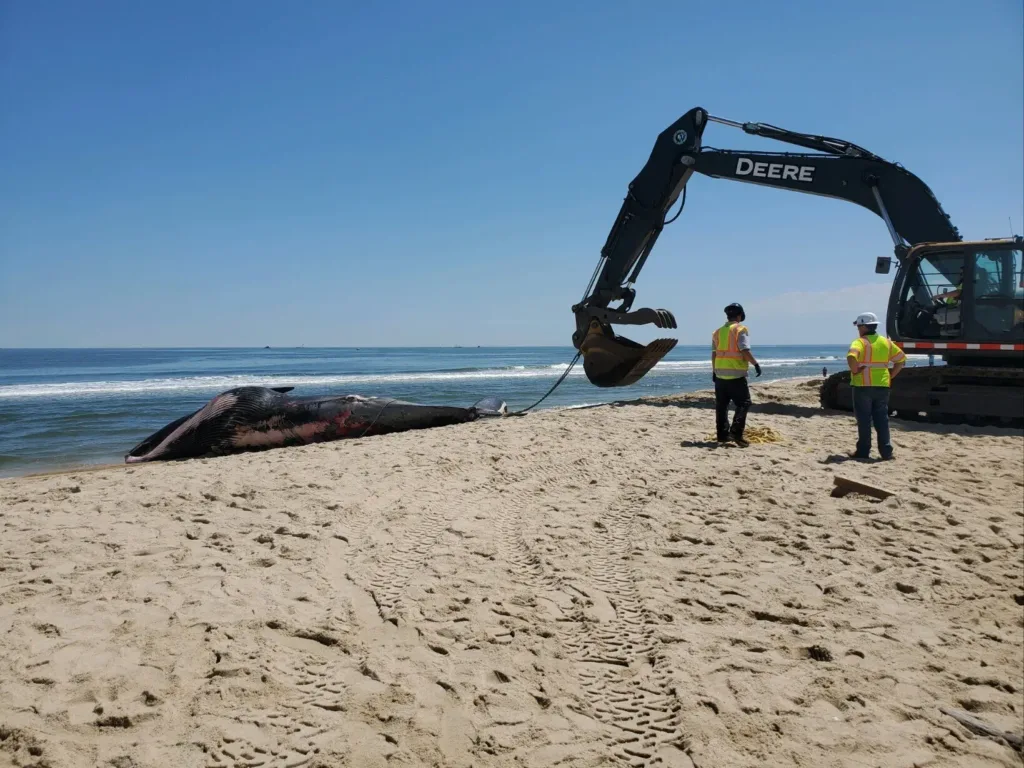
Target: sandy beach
{"x": 586, "y": 587}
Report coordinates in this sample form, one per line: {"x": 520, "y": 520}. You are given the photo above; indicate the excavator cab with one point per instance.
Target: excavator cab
{"x": 962, "y": 296}
{"x": 963, "y": 301}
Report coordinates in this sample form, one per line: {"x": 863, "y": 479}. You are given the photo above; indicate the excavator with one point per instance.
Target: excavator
{"x": 960, "y": 299}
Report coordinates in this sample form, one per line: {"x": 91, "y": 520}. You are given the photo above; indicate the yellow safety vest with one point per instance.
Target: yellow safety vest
{"x": 951, "y": 300}
{"x": 729, "y": 362}
{"x": 875, "y": 352}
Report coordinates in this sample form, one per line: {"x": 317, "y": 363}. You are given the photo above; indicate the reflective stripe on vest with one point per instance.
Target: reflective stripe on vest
{"x": 729, "y": 361}
{"x": 877, "y": 356}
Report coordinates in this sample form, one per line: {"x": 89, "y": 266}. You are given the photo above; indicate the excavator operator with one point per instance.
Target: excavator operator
{"x": 947, "y": 309}
{"x": 952, "y": 297}
{"x": 730, "y": 359}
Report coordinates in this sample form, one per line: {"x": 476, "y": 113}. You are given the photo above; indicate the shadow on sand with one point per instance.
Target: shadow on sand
{"x": 713, "y": 445}
{"x": 842, "y": 458}
{"x": 706, "y": 401}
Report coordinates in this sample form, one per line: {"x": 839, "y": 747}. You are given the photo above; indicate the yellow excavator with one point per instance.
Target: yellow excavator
{"x": 960, "y": 300}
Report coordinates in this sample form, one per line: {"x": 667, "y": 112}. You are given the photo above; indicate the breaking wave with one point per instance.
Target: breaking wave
{"x": 220, "y": 383}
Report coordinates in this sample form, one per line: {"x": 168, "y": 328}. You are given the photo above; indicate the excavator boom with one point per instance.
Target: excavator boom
{"x": 839, "y": 170}
{"x": 898, "y": 197}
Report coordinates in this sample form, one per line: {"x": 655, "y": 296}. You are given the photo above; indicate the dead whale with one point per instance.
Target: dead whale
{"x": 258, "y": 418}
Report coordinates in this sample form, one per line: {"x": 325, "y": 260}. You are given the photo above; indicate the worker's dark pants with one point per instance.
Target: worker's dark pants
{"x": 871, "y": 406}
{"x": 735, "y": 391}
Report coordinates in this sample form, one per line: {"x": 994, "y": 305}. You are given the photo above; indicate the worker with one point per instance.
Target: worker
{"x": 869, "y": 358}
{"x": 731, "y": 358}
{"x": 952, "y": 298}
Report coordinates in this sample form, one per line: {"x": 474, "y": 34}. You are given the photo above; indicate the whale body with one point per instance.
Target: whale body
{"x": 258, "y": 418}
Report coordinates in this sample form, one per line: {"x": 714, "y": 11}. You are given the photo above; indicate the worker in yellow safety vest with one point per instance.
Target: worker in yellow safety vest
{"x": 952, "y": 298}
{"x": 869, "y": 358}
{"x": 730, "y": 359}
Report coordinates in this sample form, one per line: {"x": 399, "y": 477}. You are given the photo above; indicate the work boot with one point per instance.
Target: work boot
{"x": 740, "y": 441}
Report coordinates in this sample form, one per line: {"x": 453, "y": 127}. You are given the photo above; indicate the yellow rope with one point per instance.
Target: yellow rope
{"x": 757, "y": 436}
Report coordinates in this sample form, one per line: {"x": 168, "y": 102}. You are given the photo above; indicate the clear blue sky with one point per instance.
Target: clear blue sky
{"x": 327, "y": 173}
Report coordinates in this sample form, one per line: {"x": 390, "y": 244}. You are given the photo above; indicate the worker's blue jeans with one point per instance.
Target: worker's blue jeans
{"x": 871, "y": 406}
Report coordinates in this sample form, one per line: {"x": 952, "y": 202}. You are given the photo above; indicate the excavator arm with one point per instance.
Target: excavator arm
{"x": 839, "y": 169}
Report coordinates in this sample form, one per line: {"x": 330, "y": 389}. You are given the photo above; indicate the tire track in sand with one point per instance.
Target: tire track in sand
{"x": 396, "y": 563}
{"x": 286, "y": 705}
{"x": 391, "y": 530}
{"x": 625, "y": 678}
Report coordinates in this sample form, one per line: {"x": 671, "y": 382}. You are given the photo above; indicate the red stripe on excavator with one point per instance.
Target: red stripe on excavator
{"x": 958, "y": 345}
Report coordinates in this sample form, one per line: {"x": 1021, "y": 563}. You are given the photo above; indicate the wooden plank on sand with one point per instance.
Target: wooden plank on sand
{"x": 971, "y": 723}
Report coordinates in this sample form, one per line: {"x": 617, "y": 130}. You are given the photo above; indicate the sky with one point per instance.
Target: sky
{"x": 339, "y": 174}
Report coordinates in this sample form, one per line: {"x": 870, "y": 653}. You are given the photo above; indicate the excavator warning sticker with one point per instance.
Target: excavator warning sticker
{"x": 680, "y": 136}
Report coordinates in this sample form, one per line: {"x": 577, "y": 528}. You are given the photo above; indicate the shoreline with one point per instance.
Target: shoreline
{"x": 99, "y": 465}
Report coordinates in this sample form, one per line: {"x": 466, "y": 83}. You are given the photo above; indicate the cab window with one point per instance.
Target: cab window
{"x": 931, "y": 297}
{"x": 998, "y": 277}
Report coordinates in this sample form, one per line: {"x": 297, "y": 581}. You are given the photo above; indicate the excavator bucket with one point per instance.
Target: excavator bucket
{"x": 615, "y": 361}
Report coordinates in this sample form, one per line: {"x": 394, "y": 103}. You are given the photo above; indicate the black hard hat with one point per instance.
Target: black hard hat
{"x": 735, "y": 309}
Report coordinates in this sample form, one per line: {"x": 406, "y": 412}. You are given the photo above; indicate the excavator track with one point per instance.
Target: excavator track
{"x": 946, "y": 394}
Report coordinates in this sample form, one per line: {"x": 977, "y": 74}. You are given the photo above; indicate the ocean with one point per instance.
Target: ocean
{"x": 63, "y": 408}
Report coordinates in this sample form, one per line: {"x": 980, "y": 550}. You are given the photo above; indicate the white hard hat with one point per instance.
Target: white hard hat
{"x": 866, "y": 318}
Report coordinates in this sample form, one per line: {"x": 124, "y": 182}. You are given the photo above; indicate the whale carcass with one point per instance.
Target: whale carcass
{"x": 257, "y": 418}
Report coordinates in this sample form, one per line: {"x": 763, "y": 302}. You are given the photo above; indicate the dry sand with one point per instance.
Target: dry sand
{"x": 568, "y": 588}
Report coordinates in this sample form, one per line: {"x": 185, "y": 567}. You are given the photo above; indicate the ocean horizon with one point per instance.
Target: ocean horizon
{"x": 75, "y": 407}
